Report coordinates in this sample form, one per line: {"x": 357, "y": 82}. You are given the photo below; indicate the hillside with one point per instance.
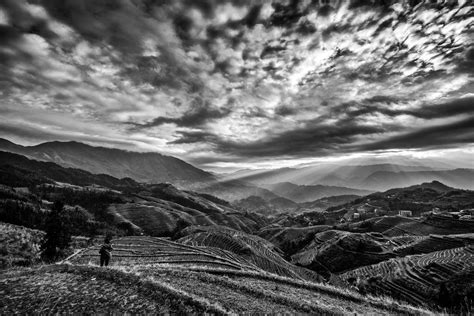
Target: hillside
{"x": 17, "y": 170}
{"x": 19, "y": 246}
{"x": 155, "y": 216}
{"x": 419, "y": 199}
{"x": 327, "y": 202}
{"x": 153, "y": 209}
{"x": 307, "y": 193}
{"x": 337, "y": 251}
{"x": 253, "y": 249}
{"x": 114, "y": 163}
{"x": 269, "y": 206}
{"x": 143, "y": 167}
{"x": 161, "y": 289}
{"x": 441, "y": 278}
{"x": 384, "y": 180}
{"x": 169, "y": 277}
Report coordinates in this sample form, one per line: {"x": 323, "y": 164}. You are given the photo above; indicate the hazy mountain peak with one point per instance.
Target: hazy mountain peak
{"x": 142, "y": 167}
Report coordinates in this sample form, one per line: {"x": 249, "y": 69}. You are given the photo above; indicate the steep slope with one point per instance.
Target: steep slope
{"x": 307, "y": 193}
{"x": 17, "y": 170}
{"x": 143, "y": 167}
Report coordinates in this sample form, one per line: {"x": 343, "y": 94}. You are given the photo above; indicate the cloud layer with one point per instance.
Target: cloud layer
{"x": 235, "y": 80}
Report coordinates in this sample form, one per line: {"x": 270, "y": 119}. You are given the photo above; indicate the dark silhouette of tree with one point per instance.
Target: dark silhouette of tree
{"x": 58, "y": 233}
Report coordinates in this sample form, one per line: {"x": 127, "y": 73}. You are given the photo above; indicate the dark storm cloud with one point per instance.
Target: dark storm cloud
{"x": 382, "y": 105}
{"x": 284, "y": 110}
{"x": 186, "y": 137}
{"x": 447, "y": 135}
{"x": 197, "y": 116}
{"x": 321, "y": 139}
{"x": 312, "y": 138}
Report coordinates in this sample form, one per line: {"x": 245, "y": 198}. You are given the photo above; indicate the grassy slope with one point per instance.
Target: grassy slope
{"x": 154, "y": 289}
{"x": 18, "y": 245}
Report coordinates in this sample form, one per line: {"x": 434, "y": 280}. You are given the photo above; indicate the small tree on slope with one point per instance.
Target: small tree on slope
{"x": 58, "y": 236}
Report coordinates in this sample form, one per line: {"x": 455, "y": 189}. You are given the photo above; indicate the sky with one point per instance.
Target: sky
{"x": 229, "y": 84}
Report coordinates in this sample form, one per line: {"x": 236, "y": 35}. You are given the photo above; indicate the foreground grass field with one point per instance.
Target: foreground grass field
{"x": 67, "y": 288}
{"x": 159, "y": 276}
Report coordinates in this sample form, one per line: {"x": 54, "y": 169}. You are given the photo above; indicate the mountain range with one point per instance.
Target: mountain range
{"x": 298, "y": 185}
{"x": 374, "y": 177}
{"x": 308, "y": 193}
{"x": 143, "y": 167}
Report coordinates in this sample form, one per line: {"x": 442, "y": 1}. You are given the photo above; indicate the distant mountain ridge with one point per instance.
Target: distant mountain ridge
{"x": 308, "y": 193}
{"x": 375, "y": 177}
{"x": 143, "y": 167}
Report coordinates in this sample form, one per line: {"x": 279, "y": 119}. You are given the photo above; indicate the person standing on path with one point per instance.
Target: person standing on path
{"x": 105, "y": 253}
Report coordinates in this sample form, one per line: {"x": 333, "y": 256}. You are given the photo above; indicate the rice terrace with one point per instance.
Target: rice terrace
{"x": 237, "y": 157}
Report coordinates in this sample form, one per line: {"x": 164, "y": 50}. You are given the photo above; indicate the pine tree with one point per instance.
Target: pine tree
{"x": 58, "y": 236}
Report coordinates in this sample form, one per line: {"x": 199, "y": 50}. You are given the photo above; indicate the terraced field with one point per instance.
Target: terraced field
{"x": 426, "y": 244}
{"x": 334, "y": 251}
{"x": 157, "y": 217}
{"x": 132, "y": 251}
{"x": 253, "y": 249}
{"x": 438, "y": 225}
{"x": 416, "y": 279}
{"x": 291, "y": 239}
{"x": 218, "y": 250}
{"x": 72, "y": 289}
